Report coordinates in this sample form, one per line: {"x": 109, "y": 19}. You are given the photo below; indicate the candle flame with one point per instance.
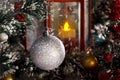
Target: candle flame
{"x": 66, "y": 26}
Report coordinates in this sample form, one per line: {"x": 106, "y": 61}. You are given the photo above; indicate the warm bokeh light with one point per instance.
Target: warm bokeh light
{"x": 8, "y": 77}
{"x": 66, "y": 26}
{"x": 66, "y": 32}
{"x": 92, "y": 63}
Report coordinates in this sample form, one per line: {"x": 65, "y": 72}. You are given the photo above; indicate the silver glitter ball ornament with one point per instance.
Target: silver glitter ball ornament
{"x": 47, "y": 52}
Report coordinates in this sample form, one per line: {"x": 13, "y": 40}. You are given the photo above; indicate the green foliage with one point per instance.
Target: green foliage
{"x": 39, "y": 12}
{"x": 15, "y": 46}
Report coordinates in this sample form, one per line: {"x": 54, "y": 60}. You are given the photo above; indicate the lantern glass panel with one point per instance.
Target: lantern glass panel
{"x": 65, "y": 20}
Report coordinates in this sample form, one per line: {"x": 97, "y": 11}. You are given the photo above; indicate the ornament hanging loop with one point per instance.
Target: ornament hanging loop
{"x": 46, "y": 33}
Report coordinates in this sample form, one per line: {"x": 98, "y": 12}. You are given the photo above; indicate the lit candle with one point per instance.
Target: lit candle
{"x": 66, "y": 32}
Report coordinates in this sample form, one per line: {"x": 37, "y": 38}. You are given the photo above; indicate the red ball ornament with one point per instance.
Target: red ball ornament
{"x": 116, "y": 75}
{"x": 107, "y": 56}
{"x": 115, "y": 78}
{"x": 105, "y": 75}
{"x": 21, "y": 17}
{"x": 118, "y": 72}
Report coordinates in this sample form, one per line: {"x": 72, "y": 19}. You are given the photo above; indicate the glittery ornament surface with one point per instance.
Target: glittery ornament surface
{"x": 89, "y": 62}
{"x": 3, "y": 37}
{"x": 47, "y": 52}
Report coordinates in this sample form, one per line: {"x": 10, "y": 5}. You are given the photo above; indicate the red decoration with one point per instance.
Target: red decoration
{"x": 21, "y": 17}
{"x": 115, "y": 78}
{"x": 116, "y": 75}
{"x": 107, "y": 56}
{"x": 18, "y": 5}
{"x": 116, "y": 28}
{"x": 82, "y": 14}
{"x": 118, "y": 72}
{"x": 108, "y": 75}
{"x": 115, "y": 10}
{"x": 105, "y": 75}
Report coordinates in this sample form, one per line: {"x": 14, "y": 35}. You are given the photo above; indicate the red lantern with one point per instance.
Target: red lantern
{"x": 76, "y": 14}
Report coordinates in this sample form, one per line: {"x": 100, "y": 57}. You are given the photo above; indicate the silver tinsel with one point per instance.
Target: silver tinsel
{"x": 47, "y": 52}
